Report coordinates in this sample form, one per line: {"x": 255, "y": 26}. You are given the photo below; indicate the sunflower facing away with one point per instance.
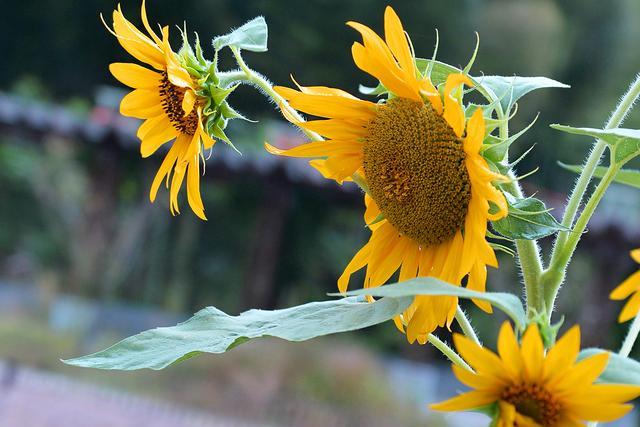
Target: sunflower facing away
{"x": 626, "y": 288}
{"x": 429, "y": 189}
{"x": 166, "y": 99}
{"x": 535, "y": 389}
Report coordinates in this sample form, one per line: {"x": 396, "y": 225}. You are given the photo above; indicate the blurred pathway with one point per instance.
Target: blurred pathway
{"x": 32, "y": 398}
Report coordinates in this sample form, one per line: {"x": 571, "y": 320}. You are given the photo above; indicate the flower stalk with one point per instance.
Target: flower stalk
{"x": 567, "y": 241}
{"x": 630, "y": 339}
{"x": 258, "y": 80}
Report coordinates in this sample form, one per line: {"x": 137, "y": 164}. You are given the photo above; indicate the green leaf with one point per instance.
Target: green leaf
{"x": 619, "y": 370}
{"x": 630, "y": 177}
{"x": 510, "y": 89}
{"x": 528, "y": 219}
{"x": 251, "y": 36}
{"x": 625, "y": 143}
{"x": 213, "y": 331}
{"x": 508, "y": 303}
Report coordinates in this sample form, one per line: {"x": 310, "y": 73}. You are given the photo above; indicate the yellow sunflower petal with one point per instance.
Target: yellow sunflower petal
{"x": 465, "y": 401}
{"x": 193, "y": 188}
{"x": 475, "y": 132}
{"x": 137, "y": 44}
{"x": 532, "y": 352}
{"x": 563, "y": 354}
{"x": 609, "y": 393}
{"x": 141, "y": 104}
{"x": 322, "y": 90}
{"x": 359, "y": 261}
{"x": 476, "y": 381}
{"x": 601, "y": 412}
{"x": 479, "y": 358}
{"x": 329, "y": 106}
{"x": 631, "y": 308}
{"x": 188, "y": 102}
{"x": 162, "y": 133}
{"x": 626, "y": 288}
{"x": 582, "y": 373}
{"x": 335, "y": 129}
{"x": 397, "y": 41}
{"x": 318, "y": 149}
{"x": 177, "y": 74}
{"x": 477, "y": 281}
{"x": 453, "y": 113}
{"x": 165, "y": 169}
{"x": 145, "y": 22}
{"x": 134, "y": 75}
{"x": 509, "y": 352}
{"x": 635, "y": 254}
{"x": 410, "y": 264}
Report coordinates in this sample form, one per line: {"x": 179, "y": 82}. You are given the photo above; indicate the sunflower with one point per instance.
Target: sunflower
{"x": 626, "y": 288}
{"x": 429, "y": 190}
{"x": 166, "y": 98}
{"x": 531, "y": 388}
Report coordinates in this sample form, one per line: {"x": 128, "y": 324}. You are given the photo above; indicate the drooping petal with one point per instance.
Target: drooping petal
{"x": 162, "y": 133}
{"x": 193, "y": 188}
{"x": 397, "y": 41}
{"x": 453, "y": 113}
{"x": 137, "y": 44}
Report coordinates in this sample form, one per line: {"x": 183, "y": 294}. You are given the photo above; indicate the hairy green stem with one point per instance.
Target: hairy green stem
{"x": 528, "y": 250}
{"x": 631, "y": 337}
{"x": 617, "y": 117}
{"x": 554, "y": 276}
{"x": 448, "y": 352}
{"x": 261, "y": 82}
{"x": 466, "y": 326}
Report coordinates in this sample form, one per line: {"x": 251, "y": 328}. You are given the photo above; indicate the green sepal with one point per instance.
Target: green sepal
{"x": 630, "y": 177}
{"x": 219, "y": 95}
{"x": 548, "y": 332}
{"x": 502, "y": 248}
{"x": 498, "y": 151}
{"x": 528, "y": 219}
{"x": 251, "y": 36}
{"x": 230, "y": 113}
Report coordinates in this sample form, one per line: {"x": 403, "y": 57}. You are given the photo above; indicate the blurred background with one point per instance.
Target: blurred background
{"x": 86, "y": 260}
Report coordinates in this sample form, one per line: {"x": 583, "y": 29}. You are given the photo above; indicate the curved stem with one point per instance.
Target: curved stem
{"x": 448, "y": 352}
{"x": 263, "y": 84}
{"x": 617, "y": 117}
{"x": 466, "y": 326}
{"x": 554, "y": 276}
{"x": 631, "y": 337}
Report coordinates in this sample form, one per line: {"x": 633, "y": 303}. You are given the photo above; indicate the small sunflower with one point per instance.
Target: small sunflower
{"x": 167, "y": 99}
{"x": 626, "y": 288}
{"x": 430, "y": 192}
{"x": 534, "y": 389}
